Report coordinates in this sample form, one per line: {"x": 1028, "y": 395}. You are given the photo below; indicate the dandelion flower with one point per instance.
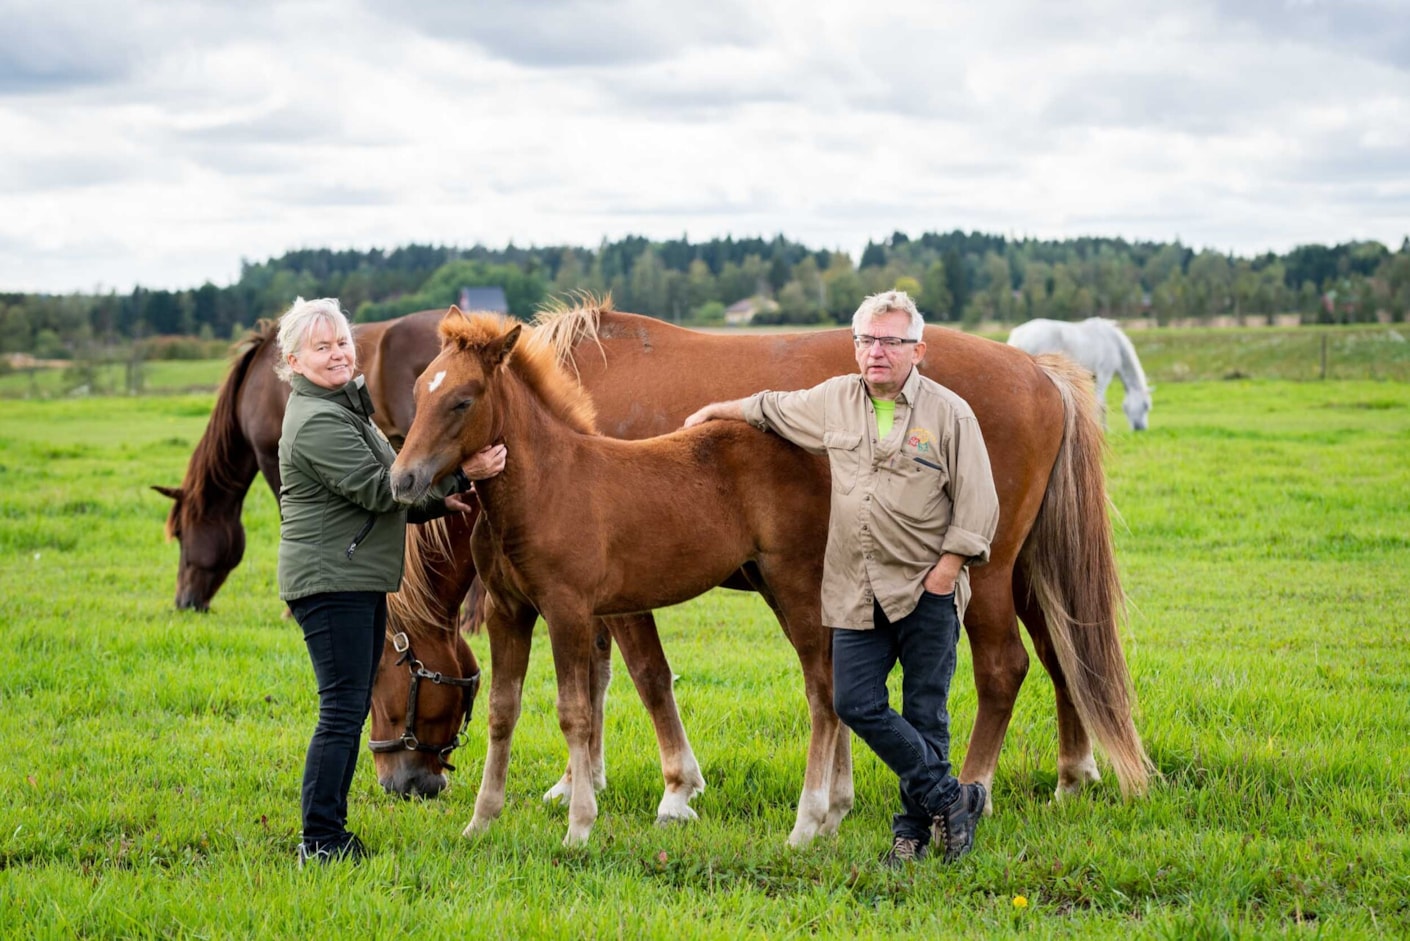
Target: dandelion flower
{"x": 1020, "y": 902}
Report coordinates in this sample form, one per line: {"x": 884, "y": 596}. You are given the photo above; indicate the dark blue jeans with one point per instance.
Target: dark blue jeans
{"x": 344, "y": 632}
{"x": 914, "y": 743}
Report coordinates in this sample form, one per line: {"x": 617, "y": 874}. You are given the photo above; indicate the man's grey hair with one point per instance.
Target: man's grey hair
{"x": 898, "y": 301}
{"x": 298, "y": 322}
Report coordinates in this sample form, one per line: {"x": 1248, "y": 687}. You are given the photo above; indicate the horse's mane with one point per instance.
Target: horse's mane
{"x": 416, "y": 608}
{"x": 565, "y": 326}
{"x": 534, "y": 360}
{"x": 211, "y": 461}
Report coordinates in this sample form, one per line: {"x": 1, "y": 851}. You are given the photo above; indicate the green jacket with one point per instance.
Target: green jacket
{"x": 340, "y": 529}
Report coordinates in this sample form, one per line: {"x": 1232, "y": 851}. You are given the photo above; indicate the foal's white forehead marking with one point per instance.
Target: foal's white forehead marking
{"x": 436, "y": 381}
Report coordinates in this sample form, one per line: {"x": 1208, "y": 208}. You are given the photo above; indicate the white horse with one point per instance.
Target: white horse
{"x": 1099, "y": 345}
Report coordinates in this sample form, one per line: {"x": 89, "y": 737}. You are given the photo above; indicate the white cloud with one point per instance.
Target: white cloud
{"x": 162, "y": 142}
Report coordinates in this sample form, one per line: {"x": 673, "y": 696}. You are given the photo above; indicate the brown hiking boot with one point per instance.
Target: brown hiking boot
{"x": 953, "y": 828}
{"x": 904, "y": 849}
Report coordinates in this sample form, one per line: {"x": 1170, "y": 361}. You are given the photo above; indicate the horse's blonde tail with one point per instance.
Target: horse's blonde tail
{"x": 1071, "y": 566}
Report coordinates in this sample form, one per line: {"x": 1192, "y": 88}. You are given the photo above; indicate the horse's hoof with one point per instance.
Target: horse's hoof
{"x": 476, "y": 827}
{"x": 574, "y": 840}
{"x": 666, "y": 818}
{"x": 801, "y": 837}
{"x": 1073, "y": 779}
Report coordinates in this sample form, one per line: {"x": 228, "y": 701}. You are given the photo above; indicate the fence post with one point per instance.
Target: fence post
{"x": 1324, "y": 357}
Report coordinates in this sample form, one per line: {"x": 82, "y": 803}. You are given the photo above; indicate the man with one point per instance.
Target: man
{"x": 913, "y": 505}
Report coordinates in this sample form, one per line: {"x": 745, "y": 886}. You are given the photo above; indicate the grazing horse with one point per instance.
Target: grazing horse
{"x": 242, "y": 439}
{"x": 428, "y": 677}
{"x": 578, "y": 524}
{"x": 1098, "y": 345}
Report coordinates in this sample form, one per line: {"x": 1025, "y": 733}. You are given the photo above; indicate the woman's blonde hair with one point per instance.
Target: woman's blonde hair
{"x": 298, "y": 322}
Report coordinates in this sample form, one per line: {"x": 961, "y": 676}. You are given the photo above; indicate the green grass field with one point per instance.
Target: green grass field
{"x": 152, "y": 759}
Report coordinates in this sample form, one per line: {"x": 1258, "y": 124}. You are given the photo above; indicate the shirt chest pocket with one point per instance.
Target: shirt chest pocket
{"x": 844, "y": 458}
{"x": 917, "y": 486}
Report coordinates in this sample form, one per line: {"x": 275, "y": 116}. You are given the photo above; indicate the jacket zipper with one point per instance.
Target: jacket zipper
{"x": 362, "y": 533}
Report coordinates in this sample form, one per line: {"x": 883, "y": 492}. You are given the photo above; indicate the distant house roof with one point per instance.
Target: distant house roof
{"x": 742, "y": 311}
{"x": 491, "y": 299}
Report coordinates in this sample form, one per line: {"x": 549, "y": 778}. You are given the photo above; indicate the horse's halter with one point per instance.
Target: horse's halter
{"x": 408, "y": 741}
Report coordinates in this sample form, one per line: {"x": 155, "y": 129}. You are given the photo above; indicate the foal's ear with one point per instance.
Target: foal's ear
{"x": 173, "y": 492}
{"x": 498, "y": 351}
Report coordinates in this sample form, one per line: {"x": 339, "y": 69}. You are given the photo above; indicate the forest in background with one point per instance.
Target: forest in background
{"x": 956, "y": 277}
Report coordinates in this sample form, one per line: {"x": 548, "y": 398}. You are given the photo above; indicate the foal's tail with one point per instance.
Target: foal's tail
{"x": 1072, "y": 573}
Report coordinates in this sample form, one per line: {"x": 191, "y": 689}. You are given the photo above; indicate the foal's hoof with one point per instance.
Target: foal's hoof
{"x": 476, "y": 827}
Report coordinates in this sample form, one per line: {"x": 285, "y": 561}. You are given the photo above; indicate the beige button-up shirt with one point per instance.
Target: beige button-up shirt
{"x": 898, "y": 503}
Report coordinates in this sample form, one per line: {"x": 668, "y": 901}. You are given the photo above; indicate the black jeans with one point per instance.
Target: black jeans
{"x": 344, "y": 633}
{"x": 914, "y": 743}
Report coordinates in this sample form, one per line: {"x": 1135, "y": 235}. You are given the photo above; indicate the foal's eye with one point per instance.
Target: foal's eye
{"x": 462, "y": 406}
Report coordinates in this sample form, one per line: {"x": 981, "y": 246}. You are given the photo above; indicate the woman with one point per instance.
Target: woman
{"x": 340, "y": 549}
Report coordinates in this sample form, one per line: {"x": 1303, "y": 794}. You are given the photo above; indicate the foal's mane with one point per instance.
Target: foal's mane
{"x": 534, "y": 360}
{"x": 210, "y": 463}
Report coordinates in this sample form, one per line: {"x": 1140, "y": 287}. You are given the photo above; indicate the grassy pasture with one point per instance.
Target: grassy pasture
{"x": 151, "y": 759}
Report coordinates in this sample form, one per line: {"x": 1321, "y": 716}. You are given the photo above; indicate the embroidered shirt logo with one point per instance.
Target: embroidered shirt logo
{"x": 920, "y": 439}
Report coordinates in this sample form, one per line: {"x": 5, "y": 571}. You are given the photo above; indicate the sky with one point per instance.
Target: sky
{"x": 163, "y": 143}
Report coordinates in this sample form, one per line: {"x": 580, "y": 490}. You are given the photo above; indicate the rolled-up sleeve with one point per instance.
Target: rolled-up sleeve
{"x": 799, "y": 417}
{"x": 973, "y": 499}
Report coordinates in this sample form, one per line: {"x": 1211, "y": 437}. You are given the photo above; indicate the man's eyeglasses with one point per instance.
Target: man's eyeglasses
{"x": 887, "y": 343}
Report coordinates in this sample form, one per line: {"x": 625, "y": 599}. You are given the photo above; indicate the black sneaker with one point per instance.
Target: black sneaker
{"x": 350, "y": 849}
{"x": 904, "y": 849}
{"x": 953, "y": 828}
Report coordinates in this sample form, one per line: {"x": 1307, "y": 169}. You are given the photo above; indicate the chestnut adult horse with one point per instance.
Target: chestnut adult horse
{"x": 1051, "y": 562}
{"x": 579, "y": 524}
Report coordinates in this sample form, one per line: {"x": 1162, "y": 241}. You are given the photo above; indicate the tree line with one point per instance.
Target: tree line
{"x": 956, "y": 277}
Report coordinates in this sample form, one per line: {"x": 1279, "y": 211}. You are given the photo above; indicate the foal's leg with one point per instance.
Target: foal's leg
{"x": 640, "y": 644}
{"x": 1000, "y": 665}
{"x": 1076, "y": 764}
{"x": 570, "y": 630}
{"x": 600, "y": 678}
{"x": 511, "y": 633}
